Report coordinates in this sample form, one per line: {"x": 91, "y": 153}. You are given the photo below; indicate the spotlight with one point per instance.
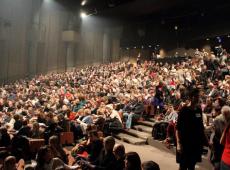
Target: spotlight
{"x": 127, "y": 48}
{"x": 207, "y": 39}
{"x": 176, "y": 27}
{"x": 219, "y": 39}
{"x": 228, "y": 36}
{"x": 135, "y": 47}
{"x": 150, "y": 46}
{"x": 142, "y": 47}
{"x": 83, "y": 15}
{"x": 83, "y": 2}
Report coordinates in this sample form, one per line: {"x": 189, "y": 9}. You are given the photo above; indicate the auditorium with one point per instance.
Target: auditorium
{"x": 114, "y": 85}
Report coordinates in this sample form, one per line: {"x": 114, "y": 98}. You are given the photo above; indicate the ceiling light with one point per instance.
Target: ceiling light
{"x": 228, "y": 36}
{"x": 207, "y": 39}
{"x": 83, "y": 2}
{"x": 83, "y": 15}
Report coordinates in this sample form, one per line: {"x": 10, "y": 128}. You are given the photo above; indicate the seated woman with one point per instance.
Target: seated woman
{"x": 92, "y": 147}
{"x": 56, "y": 149}
{"x": 10, "y": 163}
{"x": 46, "y": 161}
{"x": 119, "y": 153}
{"x": 36, "y": 132}
{"x": 132, "y": 161}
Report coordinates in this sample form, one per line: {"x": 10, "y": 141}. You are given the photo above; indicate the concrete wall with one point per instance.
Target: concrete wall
{"x": 31, "y": 39}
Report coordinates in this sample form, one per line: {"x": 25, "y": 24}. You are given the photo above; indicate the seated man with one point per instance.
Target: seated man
{"x": 106, "y": 159}
{"x": 160, "y": 128}
{"x": 133, "y": 110}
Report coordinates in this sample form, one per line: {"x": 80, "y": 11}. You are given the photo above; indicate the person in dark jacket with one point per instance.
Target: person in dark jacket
{"x": 119, "y": 152}
{"x": 190, "y": 133}
{"x": 132, "y": 161}
{"x": 106, "y": 160}
{"x": 133, "y": 110}
{"x": 25, "y": 130}
{"x": 4, "y": 137}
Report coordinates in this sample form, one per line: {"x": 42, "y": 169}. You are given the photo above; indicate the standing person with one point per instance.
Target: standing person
{"x": 219, "y": 126}
{"x": 190, "y": 133}
{"x": 139, "y": 59}
{"x": 225, "y": 141}
{"x": 153, "y": 58}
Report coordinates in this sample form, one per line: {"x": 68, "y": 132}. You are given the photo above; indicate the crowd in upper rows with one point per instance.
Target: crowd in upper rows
{"x": 108, "y": 98}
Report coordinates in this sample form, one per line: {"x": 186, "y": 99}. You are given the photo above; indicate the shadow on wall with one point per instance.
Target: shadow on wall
{"x": 181, "y": 52}
{"x": 189, "y": 52}
{"x": 131, "y": 54}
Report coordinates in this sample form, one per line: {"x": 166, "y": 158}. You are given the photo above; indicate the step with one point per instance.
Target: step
{"x": 146, "y": 123}
{"x": 160, "y": 145}
{"x": 130, "y": 139}
{"x": 152, "y": 120}
{"x": 136, "y": 133}
{"x": 143, "y": 128}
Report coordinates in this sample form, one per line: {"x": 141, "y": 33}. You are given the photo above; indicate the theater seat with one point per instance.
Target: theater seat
{"x": 66, "y": 138}
{"x": 3, "y": 149}
{"x": 35, "y": 144}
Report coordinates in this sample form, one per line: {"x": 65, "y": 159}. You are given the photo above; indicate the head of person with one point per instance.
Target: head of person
{"x": 44, "y": 155}
{"x": 36, "y": 126}
{"x": 225, "y": 111}
{"x": 93, "y": 135}
{"x": 150, "y": 165}
{"x": 3, "y": 155}
{"x": 10, "y": 163}
{"x": 60, "y": 117}
{"x": 54, "y": 141}
{"x": 132, "y": 161}
{"x": 194, "y": 95}
{"x": 119, "y": 151}
{"x": 3, "y": 130}
{"x": 16, "y": 117}
{"x": 109, "y": 143}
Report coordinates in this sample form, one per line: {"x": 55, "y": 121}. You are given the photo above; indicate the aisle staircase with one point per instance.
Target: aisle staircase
{"x": 141, "y": 134}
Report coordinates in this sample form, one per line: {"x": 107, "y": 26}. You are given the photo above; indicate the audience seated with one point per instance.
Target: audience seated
{"x": 47, "y": 161}
{"x": 104, "y": 100}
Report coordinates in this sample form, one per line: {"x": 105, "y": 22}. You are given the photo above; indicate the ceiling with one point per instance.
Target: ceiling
{"x": 144, "y": 9}
{"x": 156, "y": 19}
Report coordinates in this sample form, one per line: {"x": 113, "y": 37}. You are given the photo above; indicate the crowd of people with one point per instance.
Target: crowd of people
{"x": 111, "y": 97}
